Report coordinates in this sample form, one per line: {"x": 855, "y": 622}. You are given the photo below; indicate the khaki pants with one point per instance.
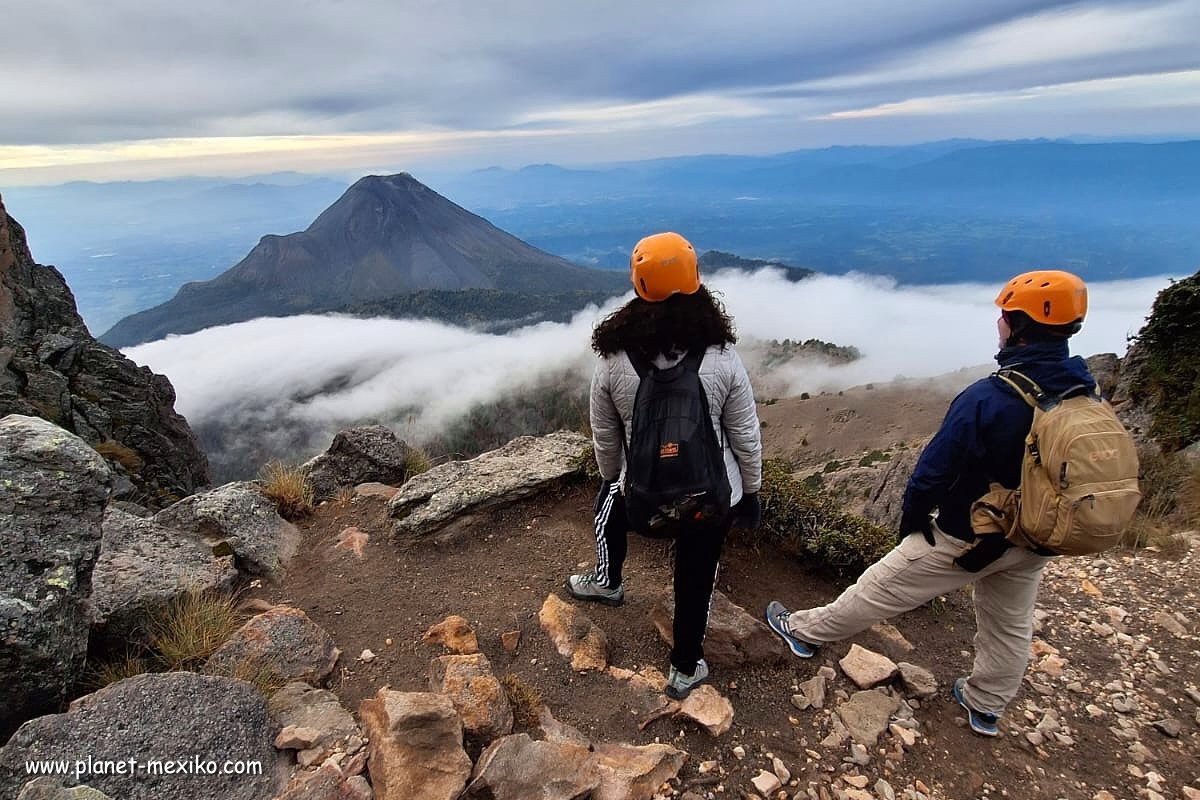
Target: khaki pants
{"x": 914, "y": 573}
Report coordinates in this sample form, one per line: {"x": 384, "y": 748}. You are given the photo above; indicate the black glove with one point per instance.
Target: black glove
{"x": 748, "y": 512}
{"x": 605, "y": 491}
{"x": 913, "y": 522}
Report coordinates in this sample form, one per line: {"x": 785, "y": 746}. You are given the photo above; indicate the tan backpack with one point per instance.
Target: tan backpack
{"x": 1079, "y": 475}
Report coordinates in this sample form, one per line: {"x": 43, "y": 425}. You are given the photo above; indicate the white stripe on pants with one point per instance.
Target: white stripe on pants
{"x": 914, "y": 573}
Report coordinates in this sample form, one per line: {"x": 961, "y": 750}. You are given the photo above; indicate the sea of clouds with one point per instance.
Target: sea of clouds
{"x": 321, "y": 373}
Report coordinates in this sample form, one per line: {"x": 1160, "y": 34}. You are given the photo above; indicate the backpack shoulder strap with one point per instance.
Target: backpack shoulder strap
{"x": 1024, "y": 386}
{"x": 640, "y": 365}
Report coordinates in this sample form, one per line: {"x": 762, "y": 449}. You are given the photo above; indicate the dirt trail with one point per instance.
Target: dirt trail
{"x": 501, "y": 573}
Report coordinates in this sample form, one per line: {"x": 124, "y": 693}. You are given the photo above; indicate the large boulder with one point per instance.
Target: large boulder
{"x": 283, "y": 641}
{"x": 733, "y": 637}
{"x": 457, "y": 490}
{"x": 368, "y": 454}
{"x": 416, "y": 746}
{"x": 217, "y": 727}
{"x": 236, "y": 519}
{"x": 142, "y": 568}
{"x": 51, "y": 367}
{"x": 53, "y": 489}
{"x": 883, "y": 502}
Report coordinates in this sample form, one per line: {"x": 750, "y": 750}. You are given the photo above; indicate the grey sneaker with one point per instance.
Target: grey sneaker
{"x": 680, "y": 686}
{"x": 585, "y": 587}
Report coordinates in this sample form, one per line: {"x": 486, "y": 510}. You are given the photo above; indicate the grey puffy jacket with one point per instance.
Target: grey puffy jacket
{"x": 730, "y": 401}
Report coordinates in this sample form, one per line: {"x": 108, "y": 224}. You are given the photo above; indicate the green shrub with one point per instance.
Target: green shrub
{"x": 873, "y": 457}
{"x": 1170, "y": 377}
{"x": 809, "y": 522}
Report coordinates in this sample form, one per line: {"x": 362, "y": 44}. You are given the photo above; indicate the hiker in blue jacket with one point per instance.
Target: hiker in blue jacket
{"x": 980, "y": 442}
{"x": 673, "y": 317}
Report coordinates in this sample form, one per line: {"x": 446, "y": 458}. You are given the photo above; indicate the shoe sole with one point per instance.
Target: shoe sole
{"x": 798, "y": 650}
{"x": 676, "y": 694}
{"x": 594, "y": 598}
{"x": 990, "y": 733}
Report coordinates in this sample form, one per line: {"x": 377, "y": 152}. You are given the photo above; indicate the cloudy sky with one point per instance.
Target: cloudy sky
{"x": 143, "y": 88}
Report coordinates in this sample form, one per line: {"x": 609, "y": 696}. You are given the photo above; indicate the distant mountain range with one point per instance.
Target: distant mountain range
{"x": 940, "y": 212}
{"x": 387, "y": 235}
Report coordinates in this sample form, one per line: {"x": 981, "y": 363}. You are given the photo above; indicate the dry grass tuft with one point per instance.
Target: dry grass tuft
{"x": 191, "y": 628}
{"x": 109, "y": 671}
{"x": 127, "y": 457}
{"x": 261, "y": 676}
{"x": 289, "y": 488}
{"x": 345, "y": 496}
{"x": 523, "y": 698}
{"x": 416, "y": 462}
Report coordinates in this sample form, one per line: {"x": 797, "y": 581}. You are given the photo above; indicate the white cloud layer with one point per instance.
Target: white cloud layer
{"x": 324, "y": 372}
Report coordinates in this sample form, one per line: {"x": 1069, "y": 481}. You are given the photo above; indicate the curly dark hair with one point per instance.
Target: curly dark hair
{"x": 681, "y": 322}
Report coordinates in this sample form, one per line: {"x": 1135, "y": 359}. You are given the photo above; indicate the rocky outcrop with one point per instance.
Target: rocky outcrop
{"x": 51, "y": 367}
{"x": 156, "y": 718}
{"x": 283, "y": 641}
{"x": 883, "y": 503}
{"x": 368, "y": 454}
{"x": 416, "y": 746}
{"x": 733, "y": 637}
{"x": 53, "y": 489}
{"x": 236, "y": 519}
{"x": 144, "y": 566}
{"x": 1106, "y": 369}
{"x": 456, "y": 491}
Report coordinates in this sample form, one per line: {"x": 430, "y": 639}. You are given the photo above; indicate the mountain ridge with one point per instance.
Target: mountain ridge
{"x": 386, "y": 235}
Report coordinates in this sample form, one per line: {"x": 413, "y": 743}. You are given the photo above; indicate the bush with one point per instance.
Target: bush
{"x": 810, "y": 523}
{"x": 1170, "y": 377}
{"x": 523, "y": 698}
{"x": 289, "y": 488}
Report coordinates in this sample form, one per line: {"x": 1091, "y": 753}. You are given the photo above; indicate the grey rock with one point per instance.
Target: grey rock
{"x": 53, "y": 488}
{"x": 518, "y": 768}
{"x": 142, "y": 568}
{"x": 178, "y": 715}
{"x": 813, "y": 690}
{"x": 866, "y": 667}
{"x": 918, "y": 681}
{"x": 236, "y": 518}
{"x": 1168, "y": 727}
{"x": 47, "y": 788}
{"x": 866, "y": 715}
{"x": 733, "y": 637}
{"x": 1106, "y": 369}
{"x": 298, "y": 706}
{"x": 284, "y": 641}
{"x": 455, "y": 491}
{"x": 51, "y": 367}
{"x": 368, "y": 454}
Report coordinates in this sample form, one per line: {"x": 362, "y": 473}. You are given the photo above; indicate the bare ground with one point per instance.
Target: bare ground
{"x": 499, "y": 574}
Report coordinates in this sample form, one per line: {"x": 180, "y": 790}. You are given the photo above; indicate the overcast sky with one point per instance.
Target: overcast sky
{"x": 143, "y": 88}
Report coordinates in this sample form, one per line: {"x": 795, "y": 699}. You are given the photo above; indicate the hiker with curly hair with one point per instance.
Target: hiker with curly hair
{"x": 676, "y": 437}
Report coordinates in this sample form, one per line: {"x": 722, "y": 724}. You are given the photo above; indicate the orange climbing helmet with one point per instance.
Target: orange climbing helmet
{"x": 662, "y": 265}
{"x": 1048, "y": 296}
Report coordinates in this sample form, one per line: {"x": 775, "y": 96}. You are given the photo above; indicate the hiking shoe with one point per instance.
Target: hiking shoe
{"x": 585, "y": 587}
{"x": 777, "y": 617}
{"x": 981, "y": 722}
{"x": 680, "y": 686}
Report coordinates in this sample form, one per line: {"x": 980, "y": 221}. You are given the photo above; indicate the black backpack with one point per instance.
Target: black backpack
{"x": 675, "y": 467}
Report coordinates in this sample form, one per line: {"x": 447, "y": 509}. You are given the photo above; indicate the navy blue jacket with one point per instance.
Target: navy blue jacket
{"x": 982, "y": 438}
